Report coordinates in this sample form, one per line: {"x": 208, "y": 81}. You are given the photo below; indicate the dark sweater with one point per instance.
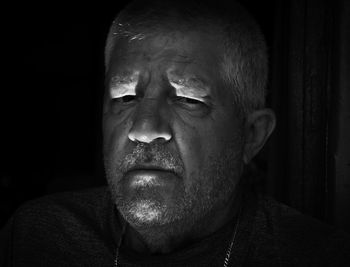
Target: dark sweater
{"x": 82, "y": 229}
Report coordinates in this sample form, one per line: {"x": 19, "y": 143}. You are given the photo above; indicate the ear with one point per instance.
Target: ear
{"x": 258, "y": 127}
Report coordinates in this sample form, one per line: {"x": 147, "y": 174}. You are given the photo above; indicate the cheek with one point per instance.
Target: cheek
{"x": 205, "y": 140}
{"x": 199, "y": 143}
{"x": 115, "y": 134}
{"x": 187, "y": 139}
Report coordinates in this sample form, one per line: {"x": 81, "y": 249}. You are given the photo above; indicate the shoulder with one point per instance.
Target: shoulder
{"x": 59, "y": 228}
{"x": 300, "y": 239}
{"x": 65, "y": 205}
{"x": 61, "y": 214}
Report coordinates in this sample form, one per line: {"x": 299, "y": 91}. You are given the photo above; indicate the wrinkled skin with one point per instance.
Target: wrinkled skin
{"x": 194, "y": 132}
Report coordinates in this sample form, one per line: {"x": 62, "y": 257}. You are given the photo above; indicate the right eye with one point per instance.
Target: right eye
{"x": 125, "y": 99}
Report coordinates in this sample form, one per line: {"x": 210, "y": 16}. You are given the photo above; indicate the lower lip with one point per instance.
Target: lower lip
{"x": 150, "y": 178}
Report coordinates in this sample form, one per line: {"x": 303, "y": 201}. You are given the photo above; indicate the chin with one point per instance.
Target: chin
{"x": 144, "y": 213}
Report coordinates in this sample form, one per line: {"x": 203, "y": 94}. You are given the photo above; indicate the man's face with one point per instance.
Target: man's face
{"x": 172, "y": 137}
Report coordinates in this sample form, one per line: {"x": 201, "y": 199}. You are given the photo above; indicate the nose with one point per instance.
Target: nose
{"x": 150, "y": 123}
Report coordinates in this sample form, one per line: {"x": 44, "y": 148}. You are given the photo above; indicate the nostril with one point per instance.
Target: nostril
{"x": 165, "y": 136}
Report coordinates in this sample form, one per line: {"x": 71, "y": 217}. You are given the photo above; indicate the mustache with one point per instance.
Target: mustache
{"x": 156, "y": 155}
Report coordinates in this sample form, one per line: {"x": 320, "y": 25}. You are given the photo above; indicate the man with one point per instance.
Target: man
{"x": 183, "y": 116}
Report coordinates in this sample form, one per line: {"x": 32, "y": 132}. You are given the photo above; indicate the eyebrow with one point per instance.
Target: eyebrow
{"x": 122, "y": 79}
{"x": 123, "y": 85}
{"x": 191, "y": 87}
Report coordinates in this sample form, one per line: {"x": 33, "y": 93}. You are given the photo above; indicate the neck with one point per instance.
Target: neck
{"x": 166, "y": 239}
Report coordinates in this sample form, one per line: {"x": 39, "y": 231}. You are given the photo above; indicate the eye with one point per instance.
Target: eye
{"x": 125, "y": 99}
{"x": 187, "y": 100}
{"x": 190, "y": 104}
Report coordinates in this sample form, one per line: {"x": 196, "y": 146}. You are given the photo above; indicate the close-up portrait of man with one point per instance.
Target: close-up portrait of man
{"x": 183, "y": 115}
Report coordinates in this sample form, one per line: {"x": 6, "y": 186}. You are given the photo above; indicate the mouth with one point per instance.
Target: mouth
{"x": 150, "y": 168}
{"x": 150, "y": 175}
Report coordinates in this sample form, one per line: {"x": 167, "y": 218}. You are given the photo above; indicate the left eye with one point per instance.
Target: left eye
{"x": 186, "y": 100}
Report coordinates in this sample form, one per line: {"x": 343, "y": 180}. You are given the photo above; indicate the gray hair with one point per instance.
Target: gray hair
{"x": 244, "y": 66}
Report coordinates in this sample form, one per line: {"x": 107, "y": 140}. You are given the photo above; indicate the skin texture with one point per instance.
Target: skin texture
{"x": 165, "y": 106}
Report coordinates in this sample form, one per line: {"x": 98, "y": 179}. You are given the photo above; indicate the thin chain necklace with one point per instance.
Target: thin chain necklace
{"x": 228, "y": 252}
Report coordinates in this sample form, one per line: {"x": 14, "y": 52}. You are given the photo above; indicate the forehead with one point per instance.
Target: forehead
{"x": 180, "y": 53}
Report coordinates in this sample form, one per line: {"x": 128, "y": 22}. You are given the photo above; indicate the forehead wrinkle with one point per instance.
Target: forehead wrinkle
{"x": 170, "y": 55}
{"x": 184, "y": 61}
{"x": 151, "y": 51}
{"x": 183, "y": 58}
